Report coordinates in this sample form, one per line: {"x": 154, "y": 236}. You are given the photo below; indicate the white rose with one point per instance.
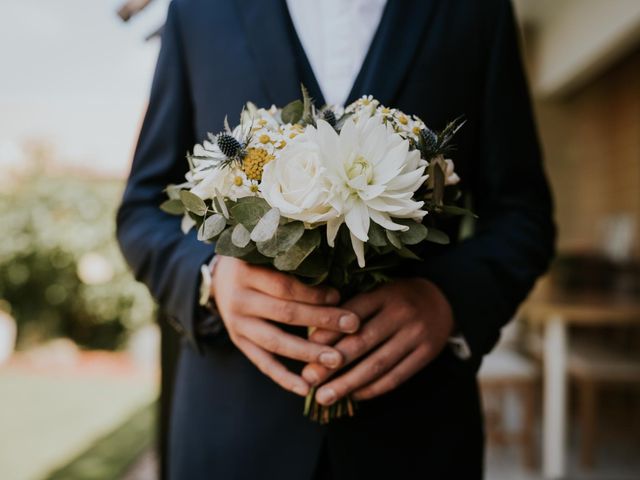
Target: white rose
{"x": 294, "y": 181}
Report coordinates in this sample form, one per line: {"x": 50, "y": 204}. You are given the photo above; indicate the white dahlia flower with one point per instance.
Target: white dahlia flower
{"x": 366, "y": 173}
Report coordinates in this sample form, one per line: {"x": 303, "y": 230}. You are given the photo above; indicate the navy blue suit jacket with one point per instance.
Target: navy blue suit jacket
{"x": 435, "y": 58}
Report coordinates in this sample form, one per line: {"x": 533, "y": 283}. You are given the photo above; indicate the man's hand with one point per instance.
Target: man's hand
{"x": 248, "y": 296}
{"x": 409, "y": 324}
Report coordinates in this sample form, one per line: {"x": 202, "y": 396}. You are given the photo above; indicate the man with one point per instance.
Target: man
{"x": 239, "y": 388}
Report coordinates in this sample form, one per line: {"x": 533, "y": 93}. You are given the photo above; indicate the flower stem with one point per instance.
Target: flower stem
{"x": 324, "y": 414}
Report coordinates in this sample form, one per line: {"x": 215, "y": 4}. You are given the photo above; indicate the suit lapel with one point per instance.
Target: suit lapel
{"x": 393, "y": 49}
{"x": 265, "y": 28}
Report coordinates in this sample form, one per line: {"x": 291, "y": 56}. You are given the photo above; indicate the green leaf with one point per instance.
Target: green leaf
{"x": 456, "y": 210}
{"x": 394, "y": 239}
{"x": 266, "y": 227}
{"x": 315, "y": 265}
{"x": 437, "y": 236}
{"x": 437, "y": 168}
{"x": 377, "y": 236}
{"x": 417, "y": 233}
{"x": 193, "y": 203}
{"x": 224, "y": 246}
{"x": 285, "y": 237}
{"x": 211, "y": 227}
{"x": 172, "y": 206}
{"x": 404, "y": 252}
{"x": 173, "y": 190}
{"x": 292, "y": 112}
{"x": 240, "y": 236}
{"x": 294, "y": 256}
{"x": 249, "y": 210}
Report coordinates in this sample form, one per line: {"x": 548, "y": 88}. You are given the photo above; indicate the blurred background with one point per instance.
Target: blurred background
{"x": 79, "y": 344}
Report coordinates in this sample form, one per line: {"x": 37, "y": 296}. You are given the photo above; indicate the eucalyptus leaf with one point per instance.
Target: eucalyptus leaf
{"x": 394, "y": 239}
{"x": 292, "y": 112}
{"x": 193, "y": 203}
{"x": 294, "y": 256}
{"x": 172, "y": 206}
{"x": 417, "y": 233}
{"x": 437, "y": 236}
{"x": 456, "y": 210}
{"x": 249, "y": 211}
{"x": 285, "y": 237}
{"x": 404, "y": 252}
{"x": 377, "y": 236}
{"x": 266, "y": 227}
{"x": 240, "y": 236}
{"x": 211, "y": 227}
{"x": 224, "y": 246}
{"x": 315, "y": 265}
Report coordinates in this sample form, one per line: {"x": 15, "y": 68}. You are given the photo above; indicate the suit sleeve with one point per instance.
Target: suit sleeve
{"x": 159, "y": 254}
{"x": 487, "y": 276}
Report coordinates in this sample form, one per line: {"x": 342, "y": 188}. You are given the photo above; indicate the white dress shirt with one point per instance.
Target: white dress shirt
{"x": 335, "y": 35}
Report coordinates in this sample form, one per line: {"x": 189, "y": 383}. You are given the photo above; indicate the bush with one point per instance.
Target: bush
{"x": 61, "y": 273}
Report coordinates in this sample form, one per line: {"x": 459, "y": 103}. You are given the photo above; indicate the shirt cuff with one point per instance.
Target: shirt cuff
{"x": 209, "y": 323}
{"x": 460, "y": 346}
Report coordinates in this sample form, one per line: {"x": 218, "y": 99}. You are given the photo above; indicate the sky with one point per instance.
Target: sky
{"x": 73, "y": 75}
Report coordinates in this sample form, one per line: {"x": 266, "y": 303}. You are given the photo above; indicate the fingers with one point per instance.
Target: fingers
{"x": 294, "y": 313}
{"x": 287, "y": 287}
{"x": 399, "y": 374}
{"x": 368, "y": 370}
{"x": 353, "y": 347}
{"x": 274, "y": 340}
{"x": 325, "y": 337}
{"x": 273, "y": 369}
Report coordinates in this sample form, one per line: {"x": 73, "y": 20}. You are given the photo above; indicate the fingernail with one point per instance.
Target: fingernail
{"x": 326, "y": 396}
{"x": 310, "y": 376}
{"x": 301, "y": 390}
{"x": 332, "y": 296}
{"x": 329, "y": 359}
{"x": 348, "y": 323}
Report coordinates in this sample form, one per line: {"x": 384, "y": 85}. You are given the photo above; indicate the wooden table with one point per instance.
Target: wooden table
{"x": 555, "y": 313}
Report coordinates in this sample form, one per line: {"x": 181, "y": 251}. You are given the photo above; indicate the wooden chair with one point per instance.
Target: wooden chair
{"x": 505, "y": 371}
{"x": 592, "y": 366}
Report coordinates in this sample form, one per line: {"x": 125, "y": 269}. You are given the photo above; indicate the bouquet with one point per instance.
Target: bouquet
{"x": 338, "y": 196}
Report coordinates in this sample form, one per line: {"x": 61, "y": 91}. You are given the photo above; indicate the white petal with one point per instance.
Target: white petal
{"x": 187, "y": 223}
{"x": 333, "y": 226}
{"x": 357, "y": 219}
{"x": 385, "y": 221}
{"x": 358, "y": 248}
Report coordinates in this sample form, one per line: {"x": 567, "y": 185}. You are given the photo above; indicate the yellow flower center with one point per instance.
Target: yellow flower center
{"x": 264, "y": 138}
{"x": 237, "y": 181}
{"x": 253, "y": 188}
{"x": 360, "y": 166}
{"x": 254, "y": 162}
{"x": 403, "y": 120}
{"x": 416, "y": 131}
